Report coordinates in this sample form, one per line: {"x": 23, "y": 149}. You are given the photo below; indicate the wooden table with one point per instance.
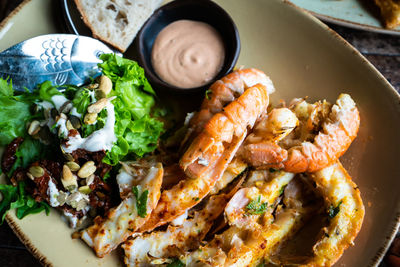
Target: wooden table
{"x": 383, "y": 51}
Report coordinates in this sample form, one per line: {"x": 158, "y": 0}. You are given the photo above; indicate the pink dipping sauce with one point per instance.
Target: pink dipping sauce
{"x": 188, "y": 53}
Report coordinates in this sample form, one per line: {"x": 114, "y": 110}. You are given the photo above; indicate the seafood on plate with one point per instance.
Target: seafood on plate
{"x": 183, "y": 234}
{"x": 390, "y": 12}
{"x": 223, "y": 92}
{"x": 263, "y": 223}
{"x": 203, "y": 224}
{"x": 345, "y": 211}
{"x": 307, "y": 137}
{"x": 122, "y": 221}
{"x": 245, "y": 179}
{"x": 209, "y": 154}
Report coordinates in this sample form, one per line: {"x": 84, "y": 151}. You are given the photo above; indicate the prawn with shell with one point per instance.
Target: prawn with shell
{"x": 251, "y": 177}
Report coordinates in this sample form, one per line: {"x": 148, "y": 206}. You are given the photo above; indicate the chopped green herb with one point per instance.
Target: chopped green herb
{"x": 272, "y": 170}
{"x": 261, "y": 264}
{"x": 141, "y": 201}
{"x": 333, "y": 211}
{"x": 176, "y": 263}
{"x": 282, "y": 190}
{"x": 256, "y": 207}
{"x": 208, "y": 93}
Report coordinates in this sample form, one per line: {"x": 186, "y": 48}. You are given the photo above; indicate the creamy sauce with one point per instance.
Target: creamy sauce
{"x": 58, "y": 101}
{"x": 72, "y": 219}
{"x": 63, "y": 131}
{"x": 102, "y": 139}
{"x": 188, "y": 53}
{"x": 53, "y": 193}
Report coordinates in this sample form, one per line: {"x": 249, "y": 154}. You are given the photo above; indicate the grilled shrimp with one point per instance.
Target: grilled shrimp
{"x": 302, "y": 150}
{"x": 345, "y": 210}
{"x": 261, "y": 146}
{"x": 121, "y": 222}
{"x": 244, "y": 246}
{"x": 223, "y": 92}
{"x": 260, "y": 191}
{"x": 234, "y": 169}
{"x": 208, "y": 156}
{"x": 156, "y": 247}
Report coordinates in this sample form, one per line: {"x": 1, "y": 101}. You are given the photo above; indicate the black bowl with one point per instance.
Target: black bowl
{"x": 199, "y": 10}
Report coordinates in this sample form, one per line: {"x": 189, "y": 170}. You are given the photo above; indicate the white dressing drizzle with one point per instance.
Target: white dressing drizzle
{"x": 63, "y": 131}
{"x": 74, "y": 112}
{"x": 53, "y": 193}
{"x": 58, "y": 101}
{"x": 72, "y": 219}
{"x": 45, "y": 105}
{"x": 102, "y": 139}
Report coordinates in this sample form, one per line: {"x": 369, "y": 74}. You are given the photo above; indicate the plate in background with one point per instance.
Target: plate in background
{"x": 357, "y": 14}
{"x": 304, "y": 58}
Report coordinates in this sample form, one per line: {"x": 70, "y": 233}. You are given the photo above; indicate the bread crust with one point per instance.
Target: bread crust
{"x": 122, "y": 33}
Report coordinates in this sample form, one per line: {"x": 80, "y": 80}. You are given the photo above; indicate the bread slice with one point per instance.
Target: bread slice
{"x": 116, "y": 22}
{"x": 390, "y": 10}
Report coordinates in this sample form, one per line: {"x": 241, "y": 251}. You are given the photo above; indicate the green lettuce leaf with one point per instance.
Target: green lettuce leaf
{"x": 6, "y": 87}
{"x": 14, "y": 113}
{"x": 130, "y": 84}
{"x": 137, "y": 137}
{"x": 47, "y": 90}
{"x": 81, "y": 100}
{"x": 17, "y": 198}
{"x": 137, "y": 133}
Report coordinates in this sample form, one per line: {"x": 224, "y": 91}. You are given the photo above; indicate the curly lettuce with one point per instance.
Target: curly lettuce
{"x": 14, "y": 113}
{"x": 15, "y": 197}
{"x": 130, "y": 85}
{"x": 136, "y": 131}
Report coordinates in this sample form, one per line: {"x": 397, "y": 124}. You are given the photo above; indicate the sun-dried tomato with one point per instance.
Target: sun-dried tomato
{"x": 53, "y": 167}
{"x": 9, "y": 157}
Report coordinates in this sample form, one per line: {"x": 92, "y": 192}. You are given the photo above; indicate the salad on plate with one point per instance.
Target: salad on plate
{"x": 63, "y": 143}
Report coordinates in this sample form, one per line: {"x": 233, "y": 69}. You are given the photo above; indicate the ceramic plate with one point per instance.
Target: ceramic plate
{"x": 304, "y": 58}
{"x": 358, "y": 14}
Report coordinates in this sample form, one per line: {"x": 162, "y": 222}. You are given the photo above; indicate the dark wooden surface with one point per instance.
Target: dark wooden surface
{"x": 383, "y": 51}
